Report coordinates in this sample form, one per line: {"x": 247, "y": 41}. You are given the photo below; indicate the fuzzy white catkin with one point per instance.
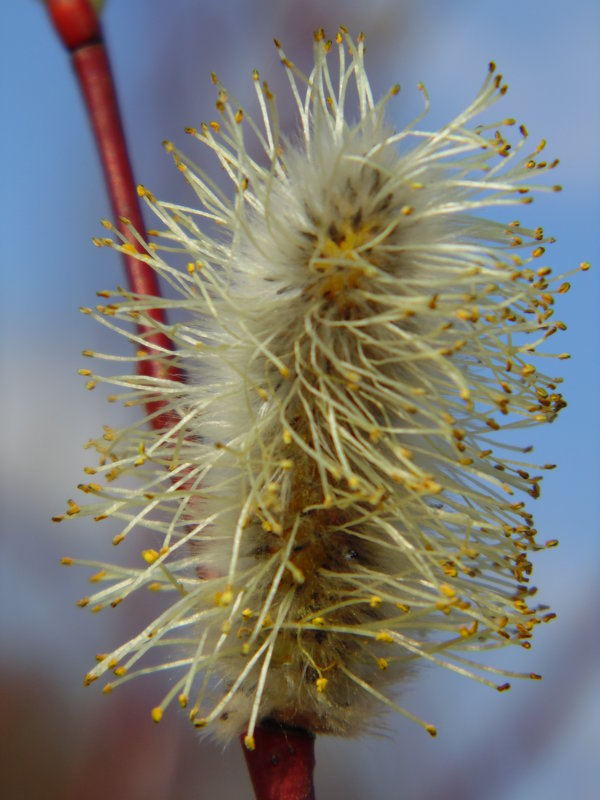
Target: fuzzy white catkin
{"x": 334, "y": 502}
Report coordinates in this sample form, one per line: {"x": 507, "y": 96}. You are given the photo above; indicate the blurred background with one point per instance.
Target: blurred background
{"x": 62, "y": 741}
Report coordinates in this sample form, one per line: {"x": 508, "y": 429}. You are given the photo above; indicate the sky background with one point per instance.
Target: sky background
{"x": 61, "y": 741}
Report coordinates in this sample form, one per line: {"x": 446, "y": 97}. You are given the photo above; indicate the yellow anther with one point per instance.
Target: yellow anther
{"x": 385, "y": 637}
{"x": 375, "y": 601}
{"x": 73, "y": 508}
{"x": 249, "y": 742}
{"x": 226, "y": 597}
{"x": 382, "y": 663}
{"x": 157, "y": 714}
{"x": 321, "y": 684}
{"x": 66, "y": 561}
{"x": 149, "y": 556}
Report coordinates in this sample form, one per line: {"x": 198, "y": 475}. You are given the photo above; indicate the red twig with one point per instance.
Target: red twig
{"x": 77, "y": 25}
{"x": 282, "y": 764}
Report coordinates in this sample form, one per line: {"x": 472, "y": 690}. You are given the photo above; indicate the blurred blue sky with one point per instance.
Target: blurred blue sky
{"x": 538, "y": 740}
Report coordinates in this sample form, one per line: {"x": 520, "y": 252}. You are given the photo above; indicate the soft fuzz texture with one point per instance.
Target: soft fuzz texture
{"x": 333, "y": 500}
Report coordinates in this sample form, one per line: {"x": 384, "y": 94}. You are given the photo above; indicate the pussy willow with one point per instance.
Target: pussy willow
{"x": 338, "y": 496}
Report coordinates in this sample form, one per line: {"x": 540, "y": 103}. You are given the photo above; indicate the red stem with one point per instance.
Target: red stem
{"x": 282, "y": 764}
{"x": 77, "y": 25}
